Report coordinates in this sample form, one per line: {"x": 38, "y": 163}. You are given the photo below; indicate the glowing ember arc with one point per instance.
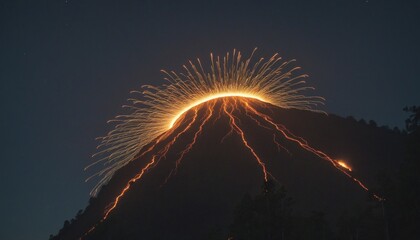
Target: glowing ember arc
{"x": 215, "y": 96}
{"x": 159, "y": 107}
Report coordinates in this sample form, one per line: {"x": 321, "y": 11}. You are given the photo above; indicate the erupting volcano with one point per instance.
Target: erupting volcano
{"x": 236, "y": 114}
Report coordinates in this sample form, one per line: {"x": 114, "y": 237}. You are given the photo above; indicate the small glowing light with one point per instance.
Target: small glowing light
{"x": 344, "y": 165}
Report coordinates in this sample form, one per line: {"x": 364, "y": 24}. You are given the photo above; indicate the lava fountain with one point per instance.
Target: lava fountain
{"x": 232, "y": 87}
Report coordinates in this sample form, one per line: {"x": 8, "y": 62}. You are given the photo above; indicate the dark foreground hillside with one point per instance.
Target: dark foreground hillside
{"x": 201, "y": 200}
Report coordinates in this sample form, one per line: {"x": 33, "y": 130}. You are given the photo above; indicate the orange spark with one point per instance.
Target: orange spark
{"x": 344, "y": 165}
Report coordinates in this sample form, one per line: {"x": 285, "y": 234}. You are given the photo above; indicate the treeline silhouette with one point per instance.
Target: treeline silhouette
{"x": 270, "y": 215}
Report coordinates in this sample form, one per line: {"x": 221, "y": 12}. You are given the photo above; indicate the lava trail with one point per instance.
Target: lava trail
{"x": 241, "y": 133}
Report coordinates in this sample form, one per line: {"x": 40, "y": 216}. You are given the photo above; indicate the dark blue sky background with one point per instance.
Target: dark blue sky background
{"x": 66, "y": 67}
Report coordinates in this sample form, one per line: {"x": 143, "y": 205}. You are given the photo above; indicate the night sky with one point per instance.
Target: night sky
{"x": 66, "y": 67}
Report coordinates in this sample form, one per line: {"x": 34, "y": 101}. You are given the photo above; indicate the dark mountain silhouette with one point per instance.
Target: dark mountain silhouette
{"x": 214, "y": 176}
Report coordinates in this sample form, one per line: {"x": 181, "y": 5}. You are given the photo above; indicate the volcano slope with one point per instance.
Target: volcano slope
{"x": 187, "y": 183}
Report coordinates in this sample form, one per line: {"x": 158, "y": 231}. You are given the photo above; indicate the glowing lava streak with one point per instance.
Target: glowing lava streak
{"x": 133, "y": 180}
{"x": 242, "y": 134}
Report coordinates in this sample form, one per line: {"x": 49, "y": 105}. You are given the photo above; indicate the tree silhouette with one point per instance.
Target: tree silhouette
{"x": 266, "y": 216}
{"x": 412, "y": 124}
{"x": 401, "y": 208}
{"x": 409, "y": 176}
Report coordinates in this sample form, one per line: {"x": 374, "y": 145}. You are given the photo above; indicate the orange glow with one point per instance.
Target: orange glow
{"x": 344, "y": 165}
